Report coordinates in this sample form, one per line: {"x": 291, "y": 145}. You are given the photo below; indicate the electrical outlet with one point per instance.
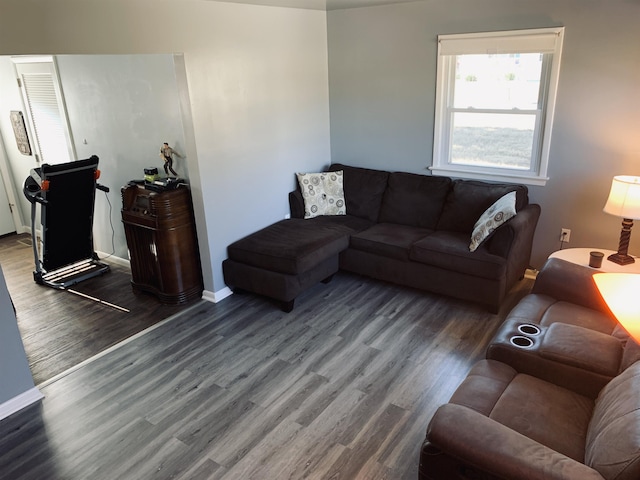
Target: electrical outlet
{"x": 565, "y": 235}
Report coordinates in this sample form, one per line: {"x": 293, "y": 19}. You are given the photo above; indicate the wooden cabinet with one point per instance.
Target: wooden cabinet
{"x": 162, "y": 242}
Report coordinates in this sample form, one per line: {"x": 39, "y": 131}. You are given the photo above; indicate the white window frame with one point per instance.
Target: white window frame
{"x": 544, "y": 40}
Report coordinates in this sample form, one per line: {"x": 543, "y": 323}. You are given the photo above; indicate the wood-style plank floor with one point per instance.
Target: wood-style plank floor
{"x": 343, "y": 387}
{"x": 60, "y": 329}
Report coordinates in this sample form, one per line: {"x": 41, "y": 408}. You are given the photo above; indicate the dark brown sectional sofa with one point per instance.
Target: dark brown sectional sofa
{"x": 409, "y": 229}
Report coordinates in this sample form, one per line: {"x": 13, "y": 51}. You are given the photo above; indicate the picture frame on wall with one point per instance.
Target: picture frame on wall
{"x": 20, "y": 132}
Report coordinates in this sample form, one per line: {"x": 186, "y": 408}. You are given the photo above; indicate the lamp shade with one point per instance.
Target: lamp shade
{"x": 620, "y": 292}
{"x": 624, "y": 197}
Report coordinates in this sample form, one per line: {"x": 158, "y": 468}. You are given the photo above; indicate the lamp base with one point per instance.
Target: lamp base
{"x": 621, "y": 259}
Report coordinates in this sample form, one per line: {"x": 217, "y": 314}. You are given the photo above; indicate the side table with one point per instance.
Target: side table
{"x": 580, "y": 256}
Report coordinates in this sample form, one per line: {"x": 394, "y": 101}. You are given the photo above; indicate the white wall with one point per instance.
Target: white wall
{"x": 258, "y": 87}
{"x": 382, "y": 65}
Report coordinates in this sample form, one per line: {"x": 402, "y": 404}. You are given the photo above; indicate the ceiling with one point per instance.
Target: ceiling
{"x": 320, "y": 4}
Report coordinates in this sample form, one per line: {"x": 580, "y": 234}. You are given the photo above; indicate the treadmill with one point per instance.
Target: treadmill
{"x": 66, "y": 194}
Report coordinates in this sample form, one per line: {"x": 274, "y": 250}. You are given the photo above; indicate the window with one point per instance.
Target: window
{"x": 495, "y": 98}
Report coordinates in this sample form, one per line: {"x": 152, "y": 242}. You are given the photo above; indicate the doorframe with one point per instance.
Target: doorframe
{"x": 7, "y": 179}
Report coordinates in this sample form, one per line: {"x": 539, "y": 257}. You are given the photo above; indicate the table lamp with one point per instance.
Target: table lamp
{"x": 620, "y": 291}
{"x": 624, "y": 201}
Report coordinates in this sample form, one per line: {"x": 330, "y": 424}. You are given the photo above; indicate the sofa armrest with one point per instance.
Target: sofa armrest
{"x": 296, "y": 204}
{"x": 571, "y": 283}
{"x": 486, "y": 445}
{"x": 514, "y": 240}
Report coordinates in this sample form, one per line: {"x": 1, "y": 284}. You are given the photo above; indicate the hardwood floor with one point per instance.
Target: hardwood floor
{"x": 343, "y": 387}
{"x": 60, "y": 329}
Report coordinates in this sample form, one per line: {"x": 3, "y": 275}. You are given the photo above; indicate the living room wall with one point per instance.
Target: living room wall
{"x": 257, "y": 93}
{"x": 382, "y": 74}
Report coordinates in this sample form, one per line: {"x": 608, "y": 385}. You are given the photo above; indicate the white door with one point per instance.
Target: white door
{"x": 45, "y": 109}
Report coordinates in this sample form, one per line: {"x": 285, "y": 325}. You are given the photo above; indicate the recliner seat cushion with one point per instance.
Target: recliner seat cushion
{"x": 551, "y": 415}
{"x": 450, "y": 250}
{"x": 412, "y": 199}
{"x": 468, "y": 199}
{"x": 582, "y": 348}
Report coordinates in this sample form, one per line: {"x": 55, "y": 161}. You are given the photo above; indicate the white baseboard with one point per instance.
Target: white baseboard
{"x": 207, "y": 295}
{"x": 113, "y": 259}
{"x": 215, "y": 297}
{"x": 19, "y": 402}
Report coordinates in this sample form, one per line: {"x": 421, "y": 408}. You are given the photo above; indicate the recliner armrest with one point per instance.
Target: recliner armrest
{"x": 480, "y": 443}
{"x": 571, "y": 283}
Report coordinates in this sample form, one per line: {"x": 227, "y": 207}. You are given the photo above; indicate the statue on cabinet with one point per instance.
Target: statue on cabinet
{"x": 166, "y": 152}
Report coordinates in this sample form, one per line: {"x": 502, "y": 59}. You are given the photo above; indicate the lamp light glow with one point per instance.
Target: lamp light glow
{"x": 624, "y": 201}
{"x": 620, "y": 291}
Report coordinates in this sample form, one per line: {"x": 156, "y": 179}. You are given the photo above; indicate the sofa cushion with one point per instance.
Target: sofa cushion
{"x": 323, "y": 193}
{"x": 450, "y": 251}
{"x": 613, "y": 439}
{"x": 388, "y": 239}
{"x": 468, "y": 199}
{"x": 291, "y": 246}
{"x": 501, "y": 211}
{"x": 363, "y": 190}
{"x": 412, "y": 199}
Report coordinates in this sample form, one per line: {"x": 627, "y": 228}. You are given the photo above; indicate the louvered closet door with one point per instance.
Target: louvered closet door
{"x": 45, "y": 110}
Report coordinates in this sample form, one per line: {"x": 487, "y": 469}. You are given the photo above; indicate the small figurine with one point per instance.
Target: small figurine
{"x": 166, "y": 152}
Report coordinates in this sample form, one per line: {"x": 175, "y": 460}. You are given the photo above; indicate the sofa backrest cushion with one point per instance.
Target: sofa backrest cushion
{"x": 363, "y": 190}
{"x": 613, "y": 438}
{"x": 415, "y": 200}
{"x": 468, "y": 199}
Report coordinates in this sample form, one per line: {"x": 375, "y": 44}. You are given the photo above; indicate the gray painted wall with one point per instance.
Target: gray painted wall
{"x": 382, "y": 74}
{"x": 15, "y": 376}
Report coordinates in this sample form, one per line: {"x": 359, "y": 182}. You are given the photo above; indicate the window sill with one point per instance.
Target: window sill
{"x": 509, "y": 177}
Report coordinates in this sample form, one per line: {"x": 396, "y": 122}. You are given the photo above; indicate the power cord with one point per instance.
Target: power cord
{"x": 562, "y": 241}
{"x": 113, "y": 232}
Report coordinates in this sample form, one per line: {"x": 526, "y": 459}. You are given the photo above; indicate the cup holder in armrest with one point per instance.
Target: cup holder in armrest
{"x": 529, "y": 329}
{"x": 521, "y": 341}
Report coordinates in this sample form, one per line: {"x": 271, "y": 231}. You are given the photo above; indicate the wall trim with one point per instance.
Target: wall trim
{"x": 19, "y": 402}
{"x": 113, "y": 259}
{"x": 215, "y": 297}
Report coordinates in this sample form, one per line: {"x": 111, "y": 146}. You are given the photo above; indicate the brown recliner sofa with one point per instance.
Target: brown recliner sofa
{"x": 503, "y": 424}
{"x": 564, "y": 405}
{"x": 578, "y": 341}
